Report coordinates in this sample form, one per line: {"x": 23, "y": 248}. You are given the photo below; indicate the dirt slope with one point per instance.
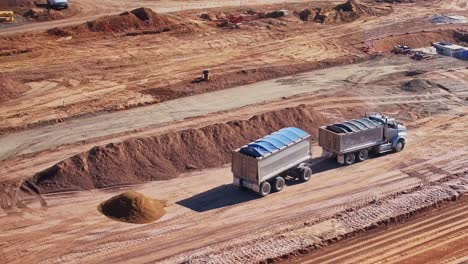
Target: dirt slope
{"x": 10, "y": 89}
{"x": 163, "y": 157}
{"x": 347, "y": 12}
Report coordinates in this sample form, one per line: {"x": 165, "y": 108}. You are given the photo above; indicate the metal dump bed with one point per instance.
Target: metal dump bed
{"x": 352, "y": 135}
{"x": 267, "y": 157}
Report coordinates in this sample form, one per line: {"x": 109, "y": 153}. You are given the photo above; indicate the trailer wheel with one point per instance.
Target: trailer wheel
{"x": 265, "y": 189}
{"x": 305, "y": 174}
{"x": 278, "y": 184}
{"x": 349, "y": 158}
{"x": 400, "y": 145}
{"x": 363, "y": 155}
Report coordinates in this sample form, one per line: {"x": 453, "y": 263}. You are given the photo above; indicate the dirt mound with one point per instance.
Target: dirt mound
{"x": 42, "y": 14}
{"x": 10, "y": 89}
{"x": 347, "y": 12}
{"x": 415, "y": 40}
{"x": 140, "y": 19}
{"x": 165, "y": 156}
{"x": 133, "y": 207}
{"x": 420, "y": 85}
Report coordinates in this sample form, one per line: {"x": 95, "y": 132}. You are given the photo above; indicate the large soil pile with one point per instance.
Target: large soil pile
{"x": 133, "y": 207}
{"x": 10, "y": 89}
{"x": 347, "y": 12}
{"x": 420, "y": 85}
{"x": 140, "y": 19}
{"x": 165, "y": 156}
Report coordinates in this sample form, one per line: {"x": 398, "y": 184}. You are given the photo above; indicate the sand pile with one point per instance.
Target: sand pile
{"x": 347, "y": 12}
{"x": 140, "y": 19}
{"x": 10, "y": 89}
{"x": 165, "y": 156}
{"x": 420, "y": 85}
{"x": 133, "y": 207}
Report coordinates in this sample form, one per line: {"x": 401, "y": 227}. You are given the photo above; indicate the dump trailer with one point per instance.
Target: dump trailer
{"x": 263, "y": 165}
{"x": 352, "y": 140}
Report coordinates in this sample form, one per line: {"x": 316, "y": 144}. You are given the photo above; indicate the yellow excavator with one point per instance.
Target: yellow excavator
{"x": 7, "y": 16}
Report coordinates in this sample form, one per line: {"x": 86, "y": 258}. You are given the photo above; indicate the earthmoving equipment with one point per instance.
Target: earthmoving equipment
{"x": 419, "y": 55}
{"x": 353, "y": 140}
{"x": 262, "y": 165}
{"x": 7, "y": 17}
{"x": 401, "y": 49}
{"x": 57, "y": 4}
{"x": 205, "y": 75}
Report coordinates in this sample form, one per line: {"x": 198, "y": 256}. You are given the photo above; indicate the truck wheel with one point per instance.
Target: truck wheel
{"x": 305, "y": 174}
{"x": 400, "y": 145}
{"x": 265, "y": 189}
{"x": 349, "y": 158}
{"x": 363, "y": 155}
{"x": 278, "y": 184}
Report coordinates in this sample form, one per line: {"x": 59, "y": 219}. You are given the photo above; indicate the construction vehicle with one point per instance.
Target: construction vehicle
{"x": 419, "y": 55}
{"x": 7, "y": 17}
{"x": 263, "y": 165}
{"x": 353, "y": 140}
{"x": 401, "y": 49}
{"x": 57, "y": 4}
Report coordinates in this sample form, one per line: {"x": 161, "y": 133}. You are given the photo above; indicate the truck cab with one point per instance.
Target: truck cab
{"x": 353, "y": 140}
{"x": 394, "y": 133}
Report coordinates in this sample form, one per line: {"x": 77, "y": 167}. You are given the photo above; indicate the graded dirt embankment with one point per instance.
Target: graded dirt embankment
{"x": 163, "y": 157}
{"x": 416, "y": 40}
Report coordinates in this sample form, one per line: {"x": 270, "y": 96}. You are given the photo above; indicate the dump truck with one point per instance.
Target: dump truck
{"x": 353, "y": 140}
{"x": 401, "y": 49}
{"x": 263, "y": 165}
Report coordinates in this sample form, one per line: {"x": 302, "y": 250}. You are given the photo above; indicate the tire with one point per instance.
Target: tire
{"x": 400, "y": 145}
{"x": 278, "y": 184}
{"x": 305, "y": 174}
{"x": 240, "y": 187}
{"x": 363, "y": 154}
{"x": 349, "y": 158}
{"x": 265, "y": 189}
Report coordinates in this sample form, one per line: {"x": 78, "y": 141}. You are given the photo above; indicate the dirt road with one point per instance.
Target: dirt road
{"x": 208, "y": 218}
{"x": 439, "y": 237}
{"x": 334, "y": 79}
{"x": 90, "y": 10}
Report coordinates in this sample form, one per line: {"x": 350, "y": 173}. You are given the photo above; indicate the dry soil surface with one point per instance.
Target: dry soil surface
{"x": 207, "y": 220}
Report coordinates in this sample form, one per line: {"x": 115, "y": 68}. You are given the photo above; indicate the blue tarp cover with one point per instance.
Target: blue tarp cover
{"x": 273, "y": 142}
